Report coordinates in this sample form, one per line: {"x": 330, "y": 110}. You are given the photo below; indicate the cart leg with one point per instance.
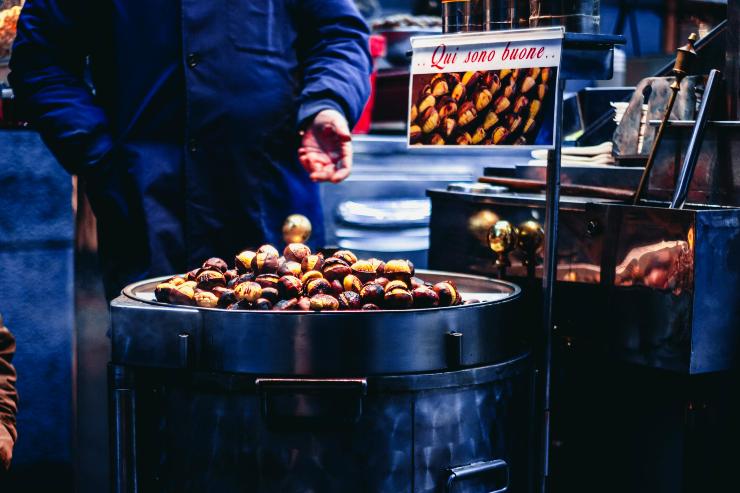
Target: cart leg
{"x": 122, "y": 419}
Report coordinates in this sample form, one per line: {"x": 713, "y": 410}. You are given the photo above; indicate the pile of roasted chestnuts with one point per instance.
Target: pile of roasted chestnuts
{"x": 480, "y": 108}
{"x": 305, "y": 281}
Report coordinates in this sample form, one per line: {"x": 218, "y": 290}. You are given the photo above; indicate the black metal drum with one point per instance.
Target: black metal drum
{"x": 417, "y": 401}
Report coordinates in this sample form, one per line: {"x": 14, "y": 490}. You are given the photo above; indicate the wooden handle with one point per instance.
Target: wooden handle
{"x": 574, "y": 190}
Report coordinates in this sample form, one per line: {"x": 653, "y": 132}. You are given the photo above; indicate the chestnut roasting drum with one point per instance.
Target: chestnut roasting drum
{"x": 296, "y": 384}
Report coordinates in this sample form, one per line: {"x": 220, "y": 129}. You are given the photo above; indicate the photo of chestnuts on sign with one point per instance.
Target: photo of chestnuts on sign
{"x": 298, "y": 279}
{"x": 495, "y": 107}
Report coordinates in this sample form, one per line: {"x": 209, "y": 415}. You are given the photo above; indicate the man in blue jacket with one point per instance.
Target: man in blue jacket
{"x": 207, "y": 123}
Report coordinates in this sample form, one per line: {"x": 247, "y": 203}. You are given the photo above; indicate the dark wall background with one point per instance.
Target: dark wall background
{"x": 36, "y": 300}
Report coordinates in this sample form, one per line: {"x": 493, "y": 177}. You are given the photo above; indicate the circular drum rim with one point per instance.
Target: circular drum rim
{"x": 131, "y": 290}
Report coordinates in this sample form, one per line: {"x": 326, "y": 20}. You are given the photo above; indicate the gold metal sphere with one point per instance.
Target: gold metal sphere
{"x": 296, "y": 229}
{"x": 480, "y": 223}
{"x": 531, "y": 236}
{"x": 502, "y": 238}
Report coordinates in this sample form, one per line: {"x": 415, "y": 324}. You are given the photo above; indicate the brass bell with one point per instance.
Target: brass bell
{"x": 503, "y": 239}
{"x": 531, "y": 237}
{"x": 296, "y": 229}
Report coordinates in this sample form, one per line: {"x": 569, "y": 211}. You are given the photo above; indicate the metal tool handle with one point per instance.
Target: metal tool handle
{"x": 697, "y": 139}
{"x": 471, "y": 471}
{"x": 311, "y": 402}
{"x": 124, "y": 441}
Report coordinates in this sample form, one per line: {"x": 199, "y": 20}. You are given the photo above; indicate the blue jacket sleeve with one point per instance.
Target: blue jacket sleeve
{"x": 47, "y": 75}
{"x": 333, "y": 47}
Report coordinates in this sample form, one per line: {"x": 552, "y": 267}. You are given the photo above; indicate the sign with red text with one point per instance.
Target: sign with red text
{"x": 485, "y": 89}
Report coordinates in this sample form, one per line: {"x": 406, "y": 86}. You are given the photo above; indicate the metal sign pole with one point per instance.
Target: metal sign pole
{"x": 549, "y": 277}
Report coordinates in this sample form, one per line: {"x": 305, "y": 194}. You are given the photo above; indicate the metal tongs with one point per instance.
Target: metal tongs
{"x": 684, "y": 59}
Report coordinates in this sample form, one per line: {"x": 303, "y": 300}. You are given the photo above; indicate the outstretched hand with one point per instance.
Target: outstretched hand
{"x": 326, "y": 147}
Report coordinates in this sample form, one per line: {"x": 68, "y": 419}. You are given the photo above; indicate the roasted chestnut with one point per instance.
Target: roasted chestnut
{"x": 209, "y": 279}
{"x": 265, "y": 263}
{"x": 378, "y": 265}
{"x": 336, "y": 269}
{"x": 317, "y": 286}
{"x": 324, "y": 302}
{"x": 534, "y": 108}
{"x": 439, "y": 87}
{"x": 249, "y": 291}
{"x": 364, "y": 271}
{"x": 414, "y": 113}
{"x": 466, "y": 113}
{"x": 447, "y": 107}
{"x": 514, "y": 121}
{"x": 478, "y": 136}
{"x": 163, "y": 290}
{"x": 312, "y": 274}
{"x": 398, "y": 270}
{"x": 415, "y": 134}
{"x": 336, "y": 288}
{"x": 398, "y": 299}
{"x": 425, "y": 297}
{"x": 372, "y": 293}
{"x": 397, "y": 284}
{"x": 470, "y": 79}
{"x": 383, "y": 281}
{"x": 352, "y": 283}
{"x": 417, "y": 283}
{"x": 216, "y": 263}
{"x": 290, "y": 287}
{"x": 349, "y": 300}
{"x": 183, "y": 295}
{"x": 271, "y": 294}
{"x": 286, "y": 305}
{"x": 190, "y": 276}
{"x": 448, "y": 293}
{"x": 464, "y": 139}
{"x": 529, "y": 125}
{"x": 448, "y": 127}
{"x": 296, "y": 252}
{"x": 427, "y": 102}
{"x": 528, "y": 84}
{"x": 268, "y": 281}
{"x": 458, "y": 92}
{"x": 262, "y": 304}
{"x": 312, "y": 262}
{"x": 240, "y": 305}
{"x": 304, "y": 304}
{"x": 290, "y": 268}
{"x": 206, "y": 299}
{"x": 249, "y": 276}
{"x": 482, "y": 98}
{"x": 268, "y": 249}
{"x": 520, "y": 104}
{"x": 490, "y": 120}
{"x": 226, "y": 297}
{"x": 429, "y": 120}
{"x": 243, "y": 261}
{"x": 501, "y": 104}
{"x": 370, "y": 307}
{"x": 499, "y": 135}
{"x": 176, "y": 280}
{"x": 346, "y": 255}
{"x": 541, "y": 91}
{"x": 230, "y": 274}
{"x": 437, "y": 140}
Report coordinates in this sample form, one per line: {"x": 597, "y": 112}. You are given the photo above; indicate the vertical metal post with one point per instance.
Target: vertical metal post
{"x": 549, "y": 277}
{"x": 122, "y": 432}
{"x": 732, "y": 58}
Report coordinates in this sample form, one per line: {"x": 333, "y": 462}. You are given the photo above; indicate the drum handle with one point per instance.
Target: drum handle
{"x": 311, "y": 402}
{"x": 463, "y": 473}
